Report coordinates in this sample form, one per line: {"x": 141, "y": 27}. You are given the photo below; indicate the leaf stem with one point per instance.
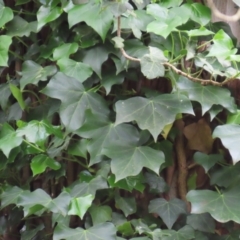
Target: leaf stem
{"x": 34, "y": 146}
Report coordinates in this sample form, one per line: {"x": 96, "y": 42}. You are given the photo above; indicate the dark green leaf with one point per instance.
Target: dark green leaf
{"x": 100, "y": 214}
{"x": 152, "y": 114}
{"x": 169, "y": 211}
{"x": 101, "y": 231}
{"x": 75, "y": 100}
{"x": 127, "y": 205}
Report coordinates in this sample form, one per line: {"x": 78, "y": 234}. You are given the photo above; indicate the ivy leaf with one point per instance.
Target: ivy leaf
{"x": 47, "y": 14}
{"x": 33, "y": 73}
{"x": 202, "y": 31}
{"x": 20, "y": 27}
{"x": 152, "y": 64}
{"x": 37, "y": 131}
{"x": 207, "y": 161}
{"x": 127, "y": 205}
{"x": 60, "y": 204}
{"x": 102, "y": 133}
{"x": 8, "y": 139}
{"x": 75, "y": 100}
{"x": 129, "y": 159}
{"x": 6, "y": 15}
{"x": 154, "y": 113}
{"x": 229, "y": 135}
{"x": 185, "y": 233}
{"x": 18, "y": 95}
{"x": 200, "y": 14}
{"x": 40, "y": 162}
{"x": 10, "y": 195}
{"x": 5, "y": 42}
{"x": 77, "y": 70}
{"x": 201, "y": 222}
{"x": 207, "y": 96}
{"x": 33, "y": 202}
{"x": 101, "y": 231}
{"x": 100, "y": 19}
{"x": 223, "y": 207}
{"x": 80, "y": 205}
{"x": 5, "y": 93}
{"x": 169, "y": 211}
{"x": 65, "y": 50}
{"x": 234, "y": 118}
{"x": 156, "y": 183}
{"x": 83, "y": 188}
{"x": 100, "y": 214}
{"x": 222, "y": 47}
{"x": 95, "y": 57}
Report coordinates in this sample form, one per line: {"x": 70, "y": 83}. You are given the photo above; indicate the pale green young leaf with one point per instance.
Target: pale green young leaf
{"x": 65, "y": 50}
{"x": 40, "y": 162}
{"x": 80, "y": 205}
{"x": 5, "y": 42}
{"x": 47, "y": 14}
{"x": 8, "y": 139}
{"x": 6, "y": 15}
{"x": 18, "y": 95}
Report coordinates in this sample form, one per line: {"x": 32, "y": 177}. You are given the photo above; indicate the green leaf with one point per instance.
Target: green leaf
{"x": 223, "y": 207}
{"x": 156, "y": 183}
{"x": 202, "y": 31}
{"x": 80, "y": 205}
{"x": 100, "y": 214}
{"x": 75, "y": 100}
{"x": 207, "y": 96}
{"x": 233, "y": 118}
{"x": 222, "y": 47}
{"x": 65, "y": 50}
{"x": 200, "y": 14}
{"x": 47, "y": 14}
{"x": 33, "y": 73}
{"x": 127, "y": 205}
{"x": 201, "y": 222}
{"x": 95, "y": 57}
{"x": 126, "y": 229}
{"x": 226, "y": 176}
{"x": 207, "y": 161}
{"x": 60, "y": 204}
{"x": 20, "y": 27}
{"x": 185, "y": 233}
{"x": 10, "y": 195}
{"x": 100, "y": 19}
{"x": 169, "y": 211}
{"x": 78, "y": 148}
{"x": 102, "y": 133}
{"x": 101, "y": 231}
{"x": 18, "y": 95}
{"x": 152, "y": 64}
{"x": 40, "y": 162}
{"x": 5, "y": 42}
{"x": 77, "y": 70}
{"x": 109, "y": 79}
{"x": 6, "y": 15}
{"x": 34, "y": 201}
{"x": 8, "y": 139}
{"x": 129, "y": 159}
{"x": 5, "y": 93}
{"x": 81, "y": 189}
{"x": 229, "y": 135}
{"x": 152, "y": 114}
{"x": 37, "y": 131}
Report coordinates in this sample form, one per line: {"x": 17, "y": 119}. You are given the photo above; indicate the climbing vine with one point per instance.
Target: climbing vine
{"x": 118, "y": 120}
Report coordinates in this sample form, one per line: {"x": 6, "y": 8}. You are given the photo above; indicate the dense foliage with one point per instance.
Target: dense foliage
{"x": 117, "y": 121}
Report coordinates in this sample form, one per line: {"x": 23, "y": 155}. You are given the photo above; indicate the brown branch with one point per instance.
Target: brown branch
{"x": 169, "y": 65}
{"x": 217, "y": 13}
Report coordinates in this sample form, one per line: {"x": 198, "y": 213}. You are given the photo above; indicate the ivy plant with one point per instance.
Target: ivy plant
{"x": 119, "y": 120}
